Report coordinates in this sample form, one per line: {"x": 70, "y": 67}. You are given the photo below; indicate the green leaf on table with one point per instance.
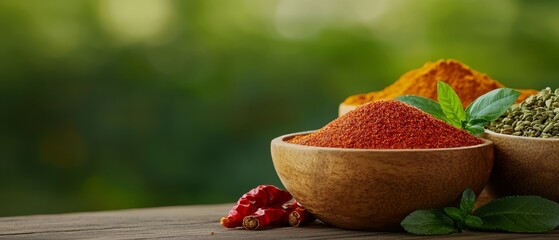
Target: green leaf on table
{"x": 492, "y": 105}
{"x": 454, "y": 213}
{"x": 451, "y": 105}
{"x": 425, "y": 104}
{"x": 473, "y": 221}
{"x": 428, "y": 222}
{"x": 525, "y": 214}
{"x": 462, "y": 214}
{"x": 467, "y": 202}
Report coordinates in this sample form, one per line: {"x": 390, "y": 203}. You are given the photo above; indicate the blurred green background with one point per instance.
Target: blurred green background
{"x": 142, "y": 103}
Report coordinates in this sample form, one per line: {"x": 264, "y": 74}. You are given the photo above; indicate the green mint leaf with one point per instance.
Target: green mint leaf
{"x": 467, "y": 202}
{"x": 454, "y": 213}
{"x": 491, "y": 105}
{"x": 525, "y": 214}
{"x": 451, "y": 105}
{"x": 425, "y": 104}
{"x": 481, "y": 122}
{"x": 476, "y": 126}
{"x": 475, "y": 130}
{"x": 473, "y": 221}
{"x": 428, "y": 222}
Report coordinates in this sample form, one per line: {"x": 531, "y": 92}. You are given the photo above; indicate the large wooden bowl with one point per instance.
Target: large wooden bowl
{"x": 371, "y": 189}
{"x": 524, "y": 166}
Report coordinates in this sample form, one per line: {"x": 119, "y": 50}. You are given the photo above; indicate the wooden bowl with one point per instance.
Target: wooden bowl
{"x": 370, "y": 189}
{"x": 524, "y": 166}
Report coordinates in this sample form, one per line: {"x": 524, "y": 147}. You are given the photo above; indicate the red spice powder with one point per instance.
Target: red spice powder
{"x": 387, "y": 124}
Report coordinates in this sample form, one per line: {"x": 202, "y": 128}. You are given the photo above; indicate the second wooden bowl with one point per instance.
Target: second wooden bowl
{"x": 524, "y": 166}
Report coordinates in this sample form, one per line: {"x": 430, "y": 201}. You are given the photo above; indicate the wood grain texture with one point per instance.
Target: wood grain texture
{"x": 190, "y": 222}
{"x": 524, "y": 166}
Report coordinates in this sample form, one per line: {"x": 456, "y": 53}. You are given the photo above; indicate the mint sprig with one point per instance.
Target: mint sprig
{"x": 521, "y": 214}
{"x": 486, "y": 108}
{"x": 463, "y": 216}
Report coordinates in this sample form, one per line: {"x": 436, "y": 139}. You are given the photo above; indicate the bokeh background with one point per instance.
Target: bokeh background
{"x": 140, "y": 103}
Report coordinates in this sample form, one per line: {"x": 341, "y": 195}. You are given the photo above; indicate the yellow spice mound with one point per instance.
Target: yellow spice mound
{"x": 468, "y": 84}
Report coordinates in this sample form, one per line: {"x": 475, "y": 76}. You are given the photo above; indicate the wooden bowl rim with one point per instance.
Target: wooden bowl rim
{"x": 489, "y": 132}
{"x": 280, "y": 141}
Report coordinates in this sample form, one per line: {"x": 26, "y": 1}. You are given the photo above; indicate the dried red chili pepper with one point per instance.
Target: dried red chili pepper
{"x": 299, "y": 217}
{"x": 265, "y": 218}
{"x": 288, "y": 206}
{"x": 259, "y": 197}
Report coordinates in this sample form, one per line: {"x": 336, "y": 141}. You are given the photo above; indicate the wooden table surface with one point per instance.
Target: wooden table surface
{"x": 190, "y": 222}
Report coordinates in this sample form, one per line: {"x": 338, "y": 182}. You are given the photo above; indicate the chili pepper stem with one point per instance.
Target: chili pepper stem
{"x": 300, "y": 217}
{"x": 294, "y": 219}
{"x": 250, "y": 223}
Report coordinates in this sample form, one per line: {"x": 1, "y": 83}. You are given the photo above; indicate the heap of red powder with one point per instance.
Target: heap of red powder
{"x": 387, "y": 124}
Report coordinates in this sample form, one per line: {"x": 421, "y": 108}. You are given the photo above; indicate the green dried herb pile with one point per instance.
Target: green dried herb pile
{"x": 537, "y": 116}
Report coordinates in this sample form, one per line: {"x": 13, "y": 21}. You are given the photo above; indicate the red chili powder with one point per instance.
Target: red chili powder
{"x": 387, "y": 124}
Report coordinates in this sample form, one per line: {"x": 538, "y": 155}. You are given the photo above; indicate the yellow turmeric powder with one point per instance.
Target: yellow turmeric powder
{"x": 468, "y": 84}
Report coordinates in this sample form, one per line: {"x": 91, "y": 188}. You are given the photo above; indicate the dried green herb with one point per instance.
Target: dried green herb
{"x": 536, "y": 116}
